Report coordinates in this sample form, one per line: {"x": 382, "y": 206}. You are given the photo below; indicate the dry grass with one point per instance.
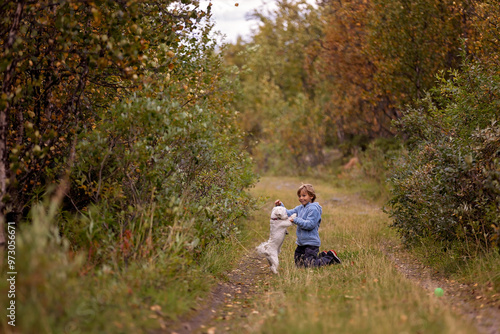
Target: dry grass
{"x": 365, "y": 294}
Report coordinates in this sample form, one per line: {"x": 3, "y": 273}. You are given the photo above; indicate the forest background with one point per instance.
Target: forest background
{"x": 129, "y": 136}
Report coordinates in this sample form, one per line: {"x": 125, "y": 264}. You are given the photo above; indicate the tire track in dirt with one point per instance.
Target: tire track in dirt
{"x": 465, "y": 299}
{"x": 230, "y": 300}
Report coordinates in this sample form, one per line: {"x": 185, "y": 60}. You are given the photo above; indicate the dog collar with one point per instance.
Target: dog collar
{"x": 274, "y": 219}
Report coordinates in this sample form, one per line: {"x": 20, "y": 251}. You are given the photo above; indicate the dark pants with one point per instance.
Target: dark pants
{"x": 307, "y": 256}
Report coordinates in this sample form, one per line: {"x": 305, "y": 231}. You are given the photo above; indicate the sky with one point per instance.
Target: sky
{"x": 230, "y": 16}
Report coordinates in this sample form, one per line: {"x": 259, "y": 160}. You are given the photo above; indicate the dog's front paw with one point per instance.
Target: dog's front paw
{"x": 292, "y": 217}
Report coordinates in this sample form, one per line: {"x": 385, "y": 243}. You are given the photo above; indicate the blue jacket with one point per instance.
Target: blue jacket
{"x": 307, "y": 221}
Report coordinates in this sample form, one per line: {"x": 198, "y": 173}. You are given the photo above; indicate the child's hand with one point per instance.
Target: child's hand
{"x": 277, "y": 203}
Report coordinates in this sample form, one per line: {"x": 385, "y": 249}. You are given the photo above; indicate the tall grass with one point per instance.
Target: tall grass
{"x": 482, "y": 271}
{"x": 56, "y": 291}
{"x": 366, "y": 294}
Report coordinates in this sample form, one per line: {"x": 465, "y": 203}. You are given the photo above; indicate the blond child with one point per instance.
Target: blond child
{"x": 308, "y": 220}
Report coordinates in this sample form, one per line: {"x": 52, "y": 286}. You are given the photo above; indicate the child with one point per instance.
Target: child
{"x": 308, "y": 220}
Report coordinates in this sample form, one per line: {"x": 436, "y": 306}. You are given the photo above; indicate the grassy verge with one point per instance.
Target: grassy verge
{"x": 56, "y": 293}
{"x": 365, "y": 294}
{"x": 481, "y": 271}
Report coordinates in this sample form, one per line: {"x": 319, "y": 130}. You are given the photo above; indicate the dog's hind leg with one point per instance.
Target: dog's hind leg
{"x": 262, "y": 249}
{"x": 273, "y": 260}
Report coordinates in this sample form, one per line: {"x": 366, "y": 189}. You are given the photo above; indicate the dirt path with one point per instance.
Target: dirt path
{"x": 230, "y": 300}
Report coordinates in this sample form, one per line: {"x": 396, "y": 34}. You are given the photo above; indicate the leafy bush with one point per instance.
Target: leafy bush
{"x": 131, "y": 100}
{"x": 132, "y": 108}
{"x": 447, "y": 187}
{"x": 155, "y": 169}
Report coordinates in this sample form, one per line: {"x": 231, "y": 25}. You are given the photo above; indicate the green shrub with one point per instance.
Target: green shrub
{"x": 155, "y": 183}
{"x": 447, "y": 187}
{"x": 157, "y": 173}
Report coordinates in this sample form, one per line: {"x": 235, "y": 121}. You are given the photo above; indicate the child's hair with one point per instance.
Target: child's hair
{"x": 309, "y": 189}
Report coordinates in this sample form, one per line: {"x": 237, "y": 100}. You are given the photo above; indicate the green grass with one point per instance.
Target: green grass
{"x": 481, "y": 269}
{"x": 365, "y": 294}
{"x": 484, "y": 271}
{"x": 57, "y": 293}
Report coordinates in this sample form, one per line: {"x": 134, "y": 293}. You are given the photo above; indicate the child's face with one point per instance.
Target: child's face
{"x": 304, "y": 198}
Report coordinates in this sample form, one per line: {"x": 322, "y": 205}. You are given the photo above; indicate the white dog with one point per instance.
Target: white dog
{"x": 271, "y": 248}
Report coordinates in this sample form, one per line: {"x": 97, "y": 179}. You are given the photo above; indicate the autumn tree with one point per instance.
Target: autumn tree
{"x": 351, "y": 64}
{"x": 483, "y": 33}
{"x": 446, "y": 187}
{"x": 377, "y": 56}
{"x": 412, "y": 41}
{"x": 346, "y": 73}
{"x": 276, "y": 100}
